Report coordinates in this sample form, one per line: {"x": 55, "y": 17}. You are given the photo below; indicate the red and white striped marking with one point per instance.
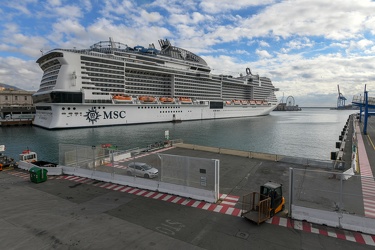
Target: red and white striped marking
{"x": 229, "y": 200}
{"x": 227, "y": 208}
{"x": 367, "y": 179}
{"x": 323, "y": 230}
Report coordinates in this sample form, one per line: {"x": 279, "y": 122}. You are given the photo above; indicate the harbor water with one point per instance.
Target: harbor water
{"x": 310, "y": 133}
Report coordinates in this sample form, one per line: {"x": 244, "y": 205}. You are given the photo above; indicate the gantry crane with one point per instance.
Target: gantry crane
{"x": 340, "y": 99}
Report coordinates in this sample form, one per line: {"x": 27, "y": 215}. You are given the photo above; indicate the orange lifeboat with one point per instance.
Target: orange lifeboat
{"x": 121, "y": 98}
{"x": 236, "y": 102}
{"x": 252, "y": 102}
{"x": 259, "y": 102}
{"x": 148, "y": 99}
{"x": 228, "y": 102}
{"x": 244, "y": 102}
{"x": 185, "y": 100}
{"x": 166, "y": 99}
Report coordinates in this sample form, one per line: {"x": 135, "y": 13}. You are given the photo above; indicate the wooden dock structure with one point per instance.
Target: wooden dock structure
{"x": 16, "y": 122}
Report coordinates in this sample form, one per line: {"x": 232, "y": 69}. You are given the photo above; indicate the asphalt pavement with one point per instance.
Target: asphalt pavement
{"x": 69, "y": 212}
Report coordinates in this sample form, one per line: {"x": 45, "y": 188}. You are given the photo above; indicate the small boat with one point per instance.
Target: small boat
{"x": 147, "y": 99}
{"x": 29, "y": 159}
{"x": 236, "y": 102}
{"x": 259, "y": 102}
{"x": 166, "y": 100}
{"x": 185, "y": 100}
{"x": 244, "y": 102}
{"x": 252, "y": 102}
{"x": 122, "y": 99}
{"x": 28, "y": 156}
{"x": 228, "y": 102}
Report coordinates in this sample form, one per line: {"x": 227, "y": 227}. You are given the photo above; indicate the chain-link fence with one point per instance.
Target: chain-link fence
{"x": 189, "y": 171}
{"x": 163, "y": 170}
{"x": 103, "y": 158}
{"x": 329, "y": 191}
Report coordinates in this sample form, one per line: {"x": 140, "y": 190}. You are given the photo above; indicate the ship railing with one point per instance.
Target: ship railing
{"x": 361, "y": 100}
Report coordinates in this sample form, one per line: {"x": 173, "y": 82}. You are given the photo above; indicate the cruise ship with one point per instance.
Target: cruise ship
{"x": 114, "y": 84}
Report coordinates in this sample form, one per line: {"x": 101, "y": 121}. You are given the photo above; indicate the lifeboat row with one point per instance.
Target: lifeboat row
{"x": 151, "y": 99}
{"x": 246, "y": 102}
{"x": 122, "y": 99}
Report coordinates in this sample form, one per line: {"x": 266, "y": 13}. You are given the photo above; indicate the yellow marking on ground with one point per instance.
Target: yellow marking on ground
{"x": 371, "y": 142}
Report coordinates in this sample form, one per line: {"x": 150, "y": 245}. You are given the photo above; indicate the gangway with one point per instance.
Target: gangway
{"x": 366, "y": 103}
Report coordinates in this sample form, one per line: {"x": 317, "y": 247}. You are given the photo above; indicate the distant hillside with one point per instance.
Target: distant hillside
{"x": 3, "y": 85}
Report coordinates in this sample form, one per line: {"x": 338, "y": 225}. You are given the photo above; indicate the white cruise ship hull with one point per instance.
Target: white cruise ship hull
{"x": 62, "y": 116}
{"x": 111, "y": 83}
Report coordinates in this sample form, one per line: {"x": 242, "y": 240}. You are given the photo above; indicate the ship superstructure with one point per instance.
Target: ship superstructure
{"x": 114, "y": 84}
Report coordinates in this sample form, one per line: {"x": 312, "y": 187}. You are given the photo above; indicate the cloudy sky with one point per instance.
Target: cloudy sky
{"x": 307, "y": 47}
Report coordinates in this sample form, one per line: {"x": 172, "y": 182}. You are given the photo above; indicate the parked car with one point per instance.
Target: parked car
{"x": 142, "y": 170}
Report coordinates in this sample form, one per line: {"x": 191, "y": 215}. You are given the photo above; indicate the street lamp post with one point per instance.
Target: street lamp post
{"x": 93, "y": 156}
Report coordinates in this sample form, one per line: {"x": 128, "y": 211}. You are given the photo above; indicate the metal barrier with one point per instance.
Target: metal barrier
{"x": 326, "y": 164}
{"x": 331, "y": 198}
{"x": 181, "y": 175}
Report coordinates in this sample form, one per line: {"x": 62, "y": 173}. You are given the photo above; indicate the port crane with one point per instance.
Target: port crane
{"x": 340, "y": 99}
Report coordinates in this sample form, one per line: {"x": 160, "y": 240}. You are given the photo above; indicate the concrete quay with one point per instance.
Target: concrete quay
{"x": 71, "y": 212}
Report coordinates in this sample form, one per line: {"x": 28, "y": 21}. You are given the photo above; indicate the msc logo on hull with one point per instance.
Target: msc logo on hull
{"x": 92, "y": 115}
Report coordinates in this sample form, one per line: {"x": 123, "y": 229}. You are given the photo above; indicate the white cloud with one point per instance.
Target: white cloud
{"x": 214, "y": 6}
{"x": 305, "y": 47}
{"x": 68, "y": 11}
{"x": 263, "y": 44}
{"x": 114, "y": 7}
{"x": 331, "y": 19}
{"x": 21, "y": 6}
{"x": 363, "y": 45}
{"x": 87, "y": 5}
{"x": 150, "y": 16}
{"x": 263, "y": 53}
{"x": 20, "y": 73}
{"x": 54, "y": 3}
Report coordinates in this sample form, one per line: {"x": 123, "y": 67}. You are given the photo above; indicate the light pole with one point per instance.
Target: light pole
{"x": 93, "y": 156}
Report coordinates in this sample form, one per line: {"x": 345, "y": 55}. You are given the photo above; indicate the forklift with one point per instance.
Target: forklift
{"x": 263, "y": 205}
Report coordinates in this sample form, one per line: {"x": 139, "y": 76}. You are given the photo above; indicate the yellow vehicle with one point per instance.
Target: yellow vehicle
{"x": 259, "y": 207}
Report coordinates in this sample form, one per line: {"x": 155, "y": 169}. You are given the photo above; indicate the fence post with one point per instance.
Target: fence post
{"x": 340, "y": 207}
{"x": 290, "y": 191}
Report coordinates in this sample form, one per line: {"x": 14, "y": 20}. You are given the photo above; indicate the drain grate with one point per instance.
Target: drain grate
{"x": 242, "y": 235}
